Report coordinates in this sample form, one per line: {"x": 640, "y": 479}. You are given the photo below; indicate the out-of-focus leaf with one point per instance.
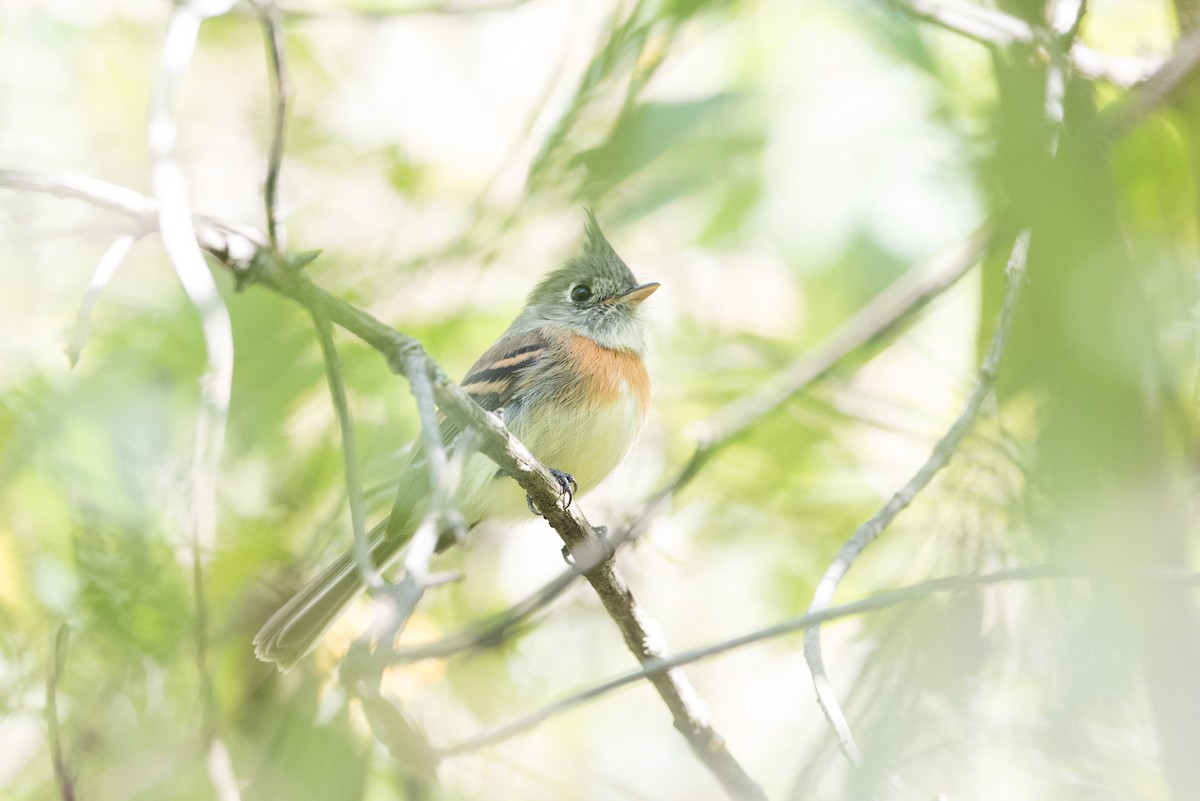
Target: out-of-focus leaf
{"x": 644, "y": 134}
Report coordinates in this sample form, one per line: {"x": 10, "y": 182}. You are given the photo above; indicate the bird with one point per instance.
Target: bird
{"x": 569, "y": 379}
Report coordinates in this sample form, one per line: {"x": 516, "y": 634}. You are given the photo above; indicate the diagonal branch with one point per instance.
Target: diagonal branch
{"x": 873, "y": 603}
{"x": 106, "y": 268}
{"x": 869, "y": 531}
{"x": 997, "y": 29}
{"x": 248, "y": 255}
{"x": 639, "y": 631}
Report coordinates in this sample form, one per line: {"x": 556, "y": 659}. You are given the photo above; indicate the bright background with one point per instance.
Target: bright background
{"x": 774, "y": 164}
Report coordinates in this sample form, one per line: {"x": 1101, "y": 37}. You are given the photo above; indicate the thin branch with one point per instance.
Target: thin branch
{"x": 1155, "y": 91}
{"x": 58, "y": 660}
{"x": 496, "y": 629}
{"x": 77, "y": 186}
{"x": 281, "y": 86}
{"x": 354, "y": 492}
{"x": 996, "y": 29}
{"x": 983, "y": 25}
{"x": 881, "y": 315}
{"x": 869, "y": 531}
{"x": 873, "y": 603}
{"x": 179, "y": 237}
{"x": 417, "y": 369}
{"x": 106, "y": 268}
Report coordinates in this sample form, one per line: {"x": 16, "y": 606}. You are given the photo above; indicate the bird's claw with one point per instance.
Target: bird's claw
{"x": 567, "y": 484}
{"x": 567, "y": 487}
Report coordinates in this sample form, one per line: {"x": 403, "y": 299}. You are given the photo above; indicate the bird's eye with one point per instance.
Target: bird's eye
{"x": 580, "y": 293}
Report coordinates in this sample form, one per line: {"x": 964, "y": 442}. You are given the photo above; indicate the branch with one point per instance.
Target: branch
{"x": 996, "y": 29}
{"x": 1156, "y": 90}
{"x": 887, "y": 310}
{"x": 106, "y": 268}
{"x": 230, "y": 245}
{"x": 583, "y": 542}
{"x": 354, "y": 492}
{"x": 869, "y": 531}
{"x": 58, "y": 659}
{"x": 281, "y": 86}
{"x": 877, "y": 602}
{"x": 178, "y": 233}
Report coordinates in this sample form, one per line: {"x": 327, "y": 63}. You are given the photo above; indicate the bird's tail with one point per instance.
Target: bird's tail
{"x": 300, "y": 623}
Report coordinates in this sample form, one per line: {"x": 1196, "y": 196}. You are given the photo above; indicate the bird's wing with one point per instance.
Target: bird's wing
{"x": 501, "y": 375}
{"x": 496, "y": 380}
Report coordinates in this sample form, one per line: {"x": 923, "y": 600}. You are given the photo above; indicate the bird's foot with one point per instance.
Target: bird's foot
{"x": 567, "y": 487}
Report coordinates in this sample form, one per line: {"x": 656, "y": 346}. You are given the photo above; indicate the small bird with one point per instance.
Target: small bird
{"x": 569, "y": 379}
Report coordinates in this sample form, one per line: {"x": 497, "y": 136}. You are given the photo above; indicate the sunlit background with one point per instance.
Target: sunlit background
{"x": 774, "y": 164}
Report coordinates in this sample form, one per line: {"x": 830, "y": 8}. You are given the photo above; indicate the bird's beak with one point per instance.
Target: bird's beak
{"x": 636, "y": 295}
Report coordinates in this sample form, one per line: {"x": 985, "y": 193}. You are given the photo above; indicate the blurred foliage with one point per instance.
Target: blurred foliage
{"x": 775, "y": 165}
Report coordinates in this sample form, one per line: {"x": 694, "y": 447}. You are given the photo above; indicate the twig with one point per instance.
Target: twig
{"x": 77, "y": 186}
{"x": 984, "y": 25}
{"x": 996, "y": 29}
{"x": 179, "y": 237}
{"x": 495, "y": 629}
{"x": 57, "y": 660}
{"x": 873, "y": 603}
{"x": 281, "y": 85}
{"x": 354, "y": 493}
{"x": 106, "y": 268}
{"x": 417, "y": 369}
{"x": 1156, "y": 90}
{"x": 869, "y": 531}
{"x": 895, "y": 305}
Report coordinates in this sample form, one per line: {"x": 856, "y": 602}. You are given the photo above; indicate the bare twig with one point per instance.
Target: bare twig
{"x": 882, "y": 314}
{"x": 978, "y": 23}
{"x": 1156, "y": 90}
{"x": 57, "y": 660}
{"x": 496, "y": 629}
{"x": 869, "y": 531}
{"x": 354, "y": 492}
{"x": 997, "y": 29}
{"x": 403, "y": 739}
{"x": 107, "y": 267}
{"x": 876, "y": 602}
{"x": 281, "y": 86}
{"x": 179, "y": 237}
{"x": 441, "y": 508}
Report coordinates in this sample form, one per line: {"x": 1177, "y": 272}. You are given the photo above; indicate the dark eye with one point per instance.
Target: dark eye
{"x": 580, "y": 293}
